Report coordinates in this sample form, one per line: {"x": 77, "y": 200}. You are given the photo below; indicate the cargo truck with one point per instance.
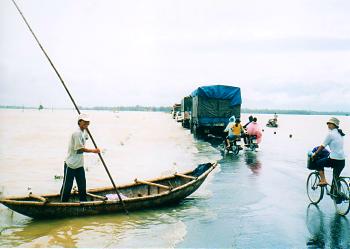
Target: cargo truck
{"x": 212, "y": 106}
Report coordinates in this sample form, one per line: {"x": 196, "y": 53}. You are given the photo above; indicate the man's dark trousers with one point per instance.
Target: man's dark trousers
{"x": 69, "y": 175}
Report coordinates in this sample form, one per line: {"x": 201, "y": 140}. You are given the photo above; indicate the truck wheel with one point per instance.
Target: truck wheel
{"x": 195, "y": 131}
{"x": 198, "y": 132}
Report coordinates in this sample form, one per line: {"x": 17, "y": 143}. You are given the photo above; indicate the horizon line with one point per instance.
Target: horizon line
{"x": 166, "y": 108}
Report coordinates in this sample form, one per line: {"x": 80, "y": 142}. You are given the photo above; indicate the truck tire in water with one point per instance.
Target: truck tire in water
{"x": 191, "y": 127}
{"x": 197, "y": 132}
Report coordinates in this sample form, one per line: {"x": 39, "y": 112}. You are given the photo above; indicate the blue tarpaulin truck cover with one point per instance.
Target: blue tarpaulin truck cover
{"x": 220, "y": 92}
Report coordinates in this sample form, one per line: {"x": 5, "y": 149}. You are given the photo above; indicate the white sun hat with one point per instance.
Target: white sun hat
{"x": 334, "y": 121}
{"x": 84, "y": 117}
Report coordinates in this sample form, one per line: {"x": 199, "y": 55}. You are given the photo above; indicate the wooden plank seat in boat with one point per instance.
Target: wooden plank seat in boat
{"x": 153, "y": 184}
{"x": 104, "y": 198}
{"x": 186, "y": 176}
{"x": 38, "y": 197}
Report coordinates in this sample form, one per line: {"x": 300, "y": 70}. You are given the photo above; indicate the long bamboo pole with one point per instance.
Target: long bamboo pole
{"x": 75, "y": 105}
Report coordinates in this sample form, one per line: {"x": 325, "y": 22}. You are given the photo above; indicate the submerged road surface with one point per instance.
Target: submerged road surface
{"x": 259, "y": 198}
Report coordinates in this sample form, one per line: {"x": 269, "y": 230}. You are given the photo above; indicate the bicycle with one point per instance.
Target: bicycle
{"x": 339, "y": 191}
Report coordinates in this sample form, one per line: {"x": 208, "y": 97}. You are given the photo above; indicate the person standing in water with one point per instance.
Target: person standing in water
{"x": 74, "y": 163}
{"x": 275, "y": 117}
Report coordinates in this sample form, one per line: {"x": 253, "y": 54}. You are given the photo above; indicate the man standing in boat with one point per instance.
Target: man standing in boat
{"x": 74, "y": 163}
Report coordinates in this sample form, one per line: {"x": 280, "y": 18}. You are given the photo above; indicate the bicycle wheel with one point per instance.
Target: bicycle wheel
{"x": 314, "y": 192}
{"x": 342, "y": 198}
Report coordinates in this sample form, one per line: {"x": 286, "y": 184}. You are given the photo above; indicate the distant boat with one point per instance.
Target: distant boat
{"x": 138, "y": 195}
{"x": 272, "y": 123}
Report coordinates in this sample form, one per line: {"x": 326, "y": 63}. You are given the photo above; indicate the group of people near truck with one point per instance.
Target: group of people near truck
{"x": 235, "y": 130}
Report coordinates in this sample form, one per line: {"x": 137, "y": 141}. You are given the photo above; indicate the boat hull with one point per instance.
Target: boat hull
{"x": 50, "y": 210}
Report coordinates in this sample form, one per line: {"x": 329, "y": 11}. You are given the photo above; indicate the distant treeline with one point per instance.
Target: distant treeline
{"x": 297, "y": 112}
{"x": 99, "y": 108}
{"x": 169, "y": 108}
{"x": 16, "y": 107}
{"x": 130, "y": 108}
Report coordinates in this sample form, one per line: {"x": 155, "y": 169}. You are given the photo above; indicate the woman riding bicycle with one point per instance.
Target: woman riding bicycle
{"x": 336, "y": 159}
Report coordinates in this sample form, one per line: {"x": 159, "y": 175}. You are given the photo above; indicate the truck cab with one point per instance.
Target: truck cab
{"x": 176, "y": 108}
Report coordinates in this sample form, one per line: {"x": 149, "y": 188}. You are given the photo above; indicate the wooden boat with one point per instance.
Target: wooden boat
{"x": 137, "y": 195}
{"x": 272, "y": 123}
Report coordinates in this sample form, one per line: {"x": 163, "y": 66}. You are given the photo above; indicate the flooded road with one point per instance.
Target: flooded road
{"x": 253, "y": 200}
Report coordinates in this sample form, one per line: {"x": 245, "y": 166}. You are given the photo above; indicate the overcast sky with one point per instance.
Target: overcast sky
{"x": 283, "y": 54}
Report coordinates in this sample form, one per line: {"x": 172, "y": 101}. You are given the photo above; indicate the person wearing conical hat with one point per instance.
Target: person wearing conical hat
{"x": 336, "y": 160}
